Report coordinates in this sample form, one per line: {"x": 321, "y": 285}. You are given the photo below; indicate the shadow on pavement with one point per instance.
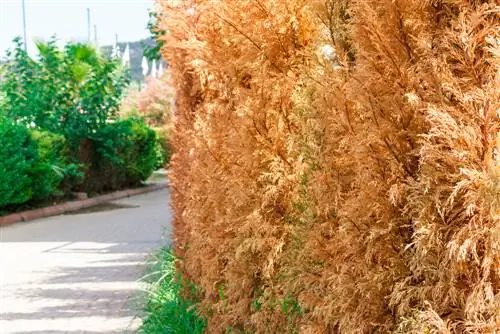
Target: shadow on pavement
{"x": 79, "y": 273}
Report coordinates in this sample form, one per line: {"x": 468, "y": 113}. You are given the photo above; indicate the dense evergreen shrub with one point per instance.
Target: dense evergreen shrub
{"x": 69, "y": 100}
{"x": 34, "y": 165}
{"x": 55, "y": 175}
{"x": 126, "y": 154}
{"x": 18, "y": 158}
{"x": 164, "y": 150}
{"x": 143, "y": 157}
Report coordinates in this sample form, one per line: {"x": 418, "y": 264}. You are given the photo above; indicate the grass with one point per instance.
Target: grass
{"x": 166, "y": 312}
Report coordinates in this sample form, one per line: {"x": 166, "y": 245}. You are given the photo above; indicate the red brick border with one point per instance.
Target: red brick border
{"x": 59, "y": 209}
{"x": 10, "y": 219}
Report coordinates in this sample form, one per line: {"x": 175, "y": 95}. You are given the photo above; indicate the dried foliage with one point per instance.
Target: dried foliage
{"x": 336, "y": 165}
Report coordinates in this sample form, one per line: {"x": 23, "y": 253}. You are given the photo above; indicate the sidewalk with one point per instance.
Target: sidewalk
{"x": 77, "y": 273}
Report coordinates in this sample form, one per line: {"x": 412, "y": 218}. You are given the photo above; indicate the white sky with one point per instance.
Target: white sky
{"x": 67, "y": 19}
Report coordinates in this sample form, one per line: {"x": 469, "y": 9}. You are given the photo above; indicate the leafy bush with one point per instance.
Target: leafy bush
{"x": 70, "y": 100}
{"x": 167, "y": 311}
{"x": 72, "y": 92}
{"x": 33, "y": 164}
{"x": 18, "y": 157}
{"x": 143, "y": 157}
{"x": 126, "y": 154}
{"x": 55, "y": 174}
{"x": 164, "y": 148}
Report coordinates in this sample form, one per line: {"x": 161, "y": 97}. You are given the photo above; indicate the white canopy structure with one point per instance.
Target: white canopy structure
{"x": 126, "y": 56}
{"x": 154, "y": 72}
{"x": 145, "y": 66}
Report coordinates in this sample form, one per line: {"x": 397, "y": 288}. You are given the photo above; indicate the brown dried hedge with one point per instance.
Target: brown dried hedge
{"x": 336, "y": 165}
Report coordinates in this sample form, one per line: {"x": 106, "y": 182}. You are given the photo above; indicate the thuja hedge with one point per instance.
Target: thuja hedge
{"x": 336, "y": 164}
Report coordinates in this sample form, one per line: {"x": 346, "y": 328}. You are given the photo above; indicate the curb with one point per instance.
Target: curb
{"x": 71, "y": 206}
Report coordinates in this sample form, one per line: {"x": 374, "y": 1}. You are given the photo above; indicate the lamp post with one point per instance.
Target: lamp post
{"x": 95, "y": 36}
{"x": 24, "y": 28}
{"x": 88, "y": 25}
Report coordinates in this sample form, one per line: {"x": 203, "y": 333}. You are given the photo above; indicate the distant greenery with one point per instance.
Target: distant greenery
{"x": 127, "y": 147}
{"x": 59, "y": 125}
{"x": 166, "y": 150}
{"x": 72, "y": 92}
{"x": 153, "y": 51}
{"x": 167, "y": 312}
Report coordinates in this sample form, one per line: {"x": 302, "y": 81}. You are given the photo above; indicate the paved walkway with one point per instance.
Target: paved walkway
{"x": 78, "y": 273}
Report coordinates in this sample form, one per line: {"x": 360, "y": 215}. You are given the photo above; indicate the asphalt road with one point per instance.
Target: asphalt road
{"x": 79, "y": 273}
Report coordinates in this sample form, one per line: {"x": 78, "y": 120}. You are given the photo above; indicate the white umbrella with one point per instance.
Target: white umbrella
{"x": 126, "y": 56}
{"x": 154, "y": 73}
{"x": 145, "y": 66}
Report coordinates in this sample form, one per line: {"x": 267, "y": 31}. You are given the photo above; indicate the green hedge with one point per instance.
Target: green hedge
{"x": 60, "y": 130}
{"x": 37, "y": 165}
{"x": 34, "y": 165}
{"x": 18, "y": 157}
{"x": 164, "y": 149}
{"x": 142, "y": 158}
{"x": 125, "y": 155}
{"x": 56, "y": 173}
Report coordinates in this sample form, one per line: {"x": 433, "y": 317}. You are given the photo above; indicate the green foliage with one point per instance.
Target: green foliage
{"x": 73, "y": 91}
{"x": 18, "y": 156}
{"x": 153, "y": 52}
{"x": 164, "y": 148}
{"x": 54, "y": 167}
{"x": 143, "y": 157}
{"x": 33, "y": 164}
{"x": 128, "y": 148}
{"x": 166, "y": 310}
{"x": 68, "y": 99}
{"x": 290, "y": 308}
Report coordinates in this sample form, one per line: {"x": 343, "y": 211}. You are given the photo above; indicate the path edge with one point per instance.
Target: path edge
{"x": 70, "y": 206}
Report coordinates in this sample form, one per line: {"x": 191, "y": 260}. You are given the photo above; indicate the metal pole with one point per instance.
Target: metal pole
{"x": 24, "y": 28}
{"x": 88, "y": 25}
{"x": 95, "y": 35}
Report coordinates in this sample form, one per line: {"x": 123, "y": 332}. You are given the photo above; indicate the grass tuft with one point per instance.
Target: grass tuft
{"x": 166, "y": 311}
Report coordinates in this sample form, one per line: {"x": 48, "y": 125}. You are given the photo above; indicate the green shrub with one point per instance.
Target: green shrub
{"x": 55, "y": 174}
{"x": 73, "y": 91}
{"x": 166, "y": 310}
{"x": 164, "y": 151}
{"x": 18, "y": 157}
{"x": 33, "y": 164}
{"x": 46, "y": 176}
{"x": 143, "y": 157}
{"x": 126, "y": 154}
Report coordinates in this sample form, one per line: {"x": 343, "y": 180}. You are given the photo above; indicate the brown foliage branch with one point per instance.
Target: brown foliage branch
{"x": 336, "y": 163}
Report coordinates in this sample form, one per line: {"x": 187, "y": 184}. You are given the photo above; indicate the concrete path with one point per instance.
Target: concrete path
{"x": 78, "y": 273}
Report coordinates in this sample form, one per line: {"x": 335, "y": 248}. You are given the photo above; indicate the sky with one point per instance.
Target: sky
{"x": 67, "y": 19}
